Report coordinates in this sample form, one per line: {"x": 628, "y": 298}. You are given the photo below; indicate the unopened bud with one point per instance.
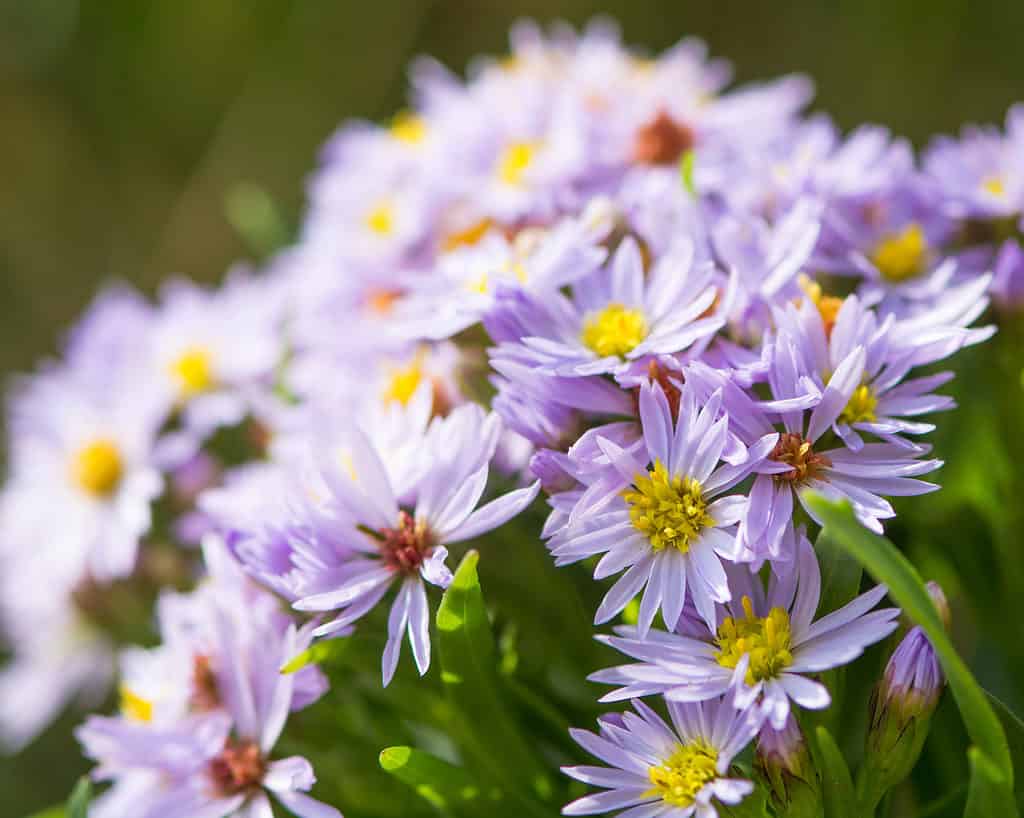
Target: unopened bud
{"x": 787, "y": 770}
{"x": 901, "y": 710}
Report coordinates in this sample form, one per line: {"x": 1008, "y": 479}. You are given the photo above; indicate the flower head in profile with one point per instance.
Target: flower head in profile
{"x": 766, "y": 643}
{"x": 372, "y": 534}
{"x": 673, "y": 523}
{"x": 657, "y": 769}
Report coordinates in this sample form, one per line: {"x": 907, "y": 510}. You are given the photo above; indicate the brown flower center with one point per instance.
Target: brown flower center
{"x": 796, "y": 452}
{"x": 662, "y": 141}
{"x": 205, "y": 695}
{"x": 407, "y": 545}
{"x": 240, "y": 767}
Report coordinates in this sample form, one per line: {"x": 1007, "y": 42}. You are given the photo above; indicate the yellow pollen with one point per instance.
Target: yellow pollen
{"x": 135, "y": 707}
{"x": 828, "y": 305}
{"x": 193, "y": 371}
{"x": 615, "y": 330}
{"x": 765, "y": 639}
{"x": 98, "y": 467}
{"x": 670, "y": 511}
{"x": 409, "y": 128}
{"x": 861, "y": 407}
{"x": 381, "y": 218}
{"x": 902, "y": 256}
{"x": 515, "y": 160}
{"x": 678, "y": 779}
{"x": 994, "y": 185}
{"x": 405, "y": 381}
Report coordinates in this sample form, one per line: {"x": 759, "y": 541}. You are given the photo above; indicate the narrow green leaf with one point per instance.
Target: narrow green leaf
{"x": 53, "y": 812}
{"x": 686, "y": 167}
{"x": 836, "y": 781}
{"x": 449, "y": 789}
{"x": 313, "y": 655}
{"x": 840, "y": 574}
{"x": 485, "y": 728}
{"x": 78, "y": 803}
{"x": 1014, "y": 728}
{"x": 986, "y": 794}
{"x": 886, "y": 564}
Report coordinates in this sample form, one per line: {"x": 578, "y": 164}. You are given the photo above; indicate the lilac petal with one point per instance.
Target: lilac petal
{"x": 837, "y": 394}
{"x": 495, "y": 513}
{"x": 293, "y": 773}
{"x": 603, "y": 776}
{"x": 280, "y": 704}
{"x": 398, "y": 618}
{"x": 350, "y": 590}
{"x": 305, "y": 807}
{"x": 805, "y": 692}
{"x": 656, "y": 421}
{"x": 850, "y": 611}
{"x": 608, "y": 801}
{"x": 434, "y": 570}
{"x": 627, "y": 587}
{"x": 419, "y": 625}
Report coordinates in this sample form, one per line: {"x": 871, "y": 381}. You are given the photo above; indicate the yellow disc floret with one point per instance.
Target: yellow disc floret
{"x": 861, "y": 406}
{"x": 615, "y": 330}
{"x": 994, "y": 185}
{"x": 765, "y": 639}
{"x": 404, "y": 382}
{"x": 135, "y": 707}
{"x": 670, "y": 511}
{"x": 515, "y": 161}
{"x": 98, "y": 467}
{"x": 902, "y": 256}
{"x": 409, "y": 128}
{"x": 381, "y": 218}
{"x": 193, "y": 371}
{"x": 680, "y": 777}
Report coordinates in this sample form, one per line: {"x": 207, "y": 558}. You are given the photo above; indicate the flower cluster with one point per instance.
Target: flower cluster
{"x": 674, "y": 307}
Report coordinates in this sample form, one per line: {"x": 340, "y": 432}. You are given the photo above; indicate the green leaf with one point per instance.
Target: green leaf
{"x": 78, "y": 803}
{"x": 485, "y": 727}
{"x": 986, "y": 795}
{"x": 313, "y": 655}
{"x": 256, "y": 217}
{"x": 53, "y": 812}
{"x": 840, "y": 574}
{"x": 886, "y": 564}
{"x": 449, "y": 789}
{"x": 1014, "y": 728}
{"x": 686, "y": 167}
{"x": 836, "y": 781}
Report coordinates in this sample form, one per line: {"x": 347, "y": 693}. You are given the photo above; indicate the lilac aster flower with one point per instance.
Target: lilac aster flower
{"x": 674, "y": 523}
{"x": 767, "y": 644}
{"x": 201, "y": 714}
{"x": 618, "y": 314}
{"x": 372, "y": 535}
{"x": 655, "y": 769}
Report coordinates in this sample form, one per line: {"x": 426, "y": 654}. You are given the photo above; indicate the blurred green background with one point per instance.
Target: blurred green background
{"x": 125, "y": 125}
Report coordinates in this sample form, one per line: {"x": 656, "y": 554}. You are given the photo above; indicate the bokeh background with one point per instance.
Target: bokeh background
{"x": 133, "y": 134}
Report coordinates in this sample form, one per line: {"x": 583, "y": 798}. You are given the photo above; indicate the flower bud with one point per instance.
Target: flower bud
{"x": 901, "y": 709}
{"x": 784, "y": 765}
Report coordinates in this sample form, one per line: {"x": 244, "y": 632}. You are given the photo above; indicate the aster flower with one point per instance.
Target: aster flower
{"x": 619, "y": 315}
{"x": 767, "y": 643}
{"x": 200, "y": 715}
{"x": 673, "y": 771}
{"x": 373, "y": 536}
{"x": 674, "y": 523}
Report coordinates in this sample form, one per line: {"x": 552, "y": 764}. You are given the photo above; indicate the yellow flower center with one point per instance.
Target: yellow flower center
{"x": 381, "y": 218}
{"x": 828, "y": 305}
{"x": 468, "y": 236}
{"x": 135, "y": 707}
{"x": 902, "y": 256}
{"x": 193, "y": 371}
{"x": 861, "y": 407}
{"x": 404, "y": 382}
{"x": 515, "y": 160}
{"x": 994, "y": 185}
{"x": 615, "y": 330}
{"x": 765, "y": 639}
{"x": 409, "y": 128}
{"x": 98, "y": 467}
{"x": 678, "y": 780}
{"x": 670, "y": 511}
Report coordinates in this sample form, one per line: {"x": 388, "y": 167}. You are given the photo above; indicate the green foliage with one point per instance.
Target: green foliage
{"x": 991, "y": 763}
